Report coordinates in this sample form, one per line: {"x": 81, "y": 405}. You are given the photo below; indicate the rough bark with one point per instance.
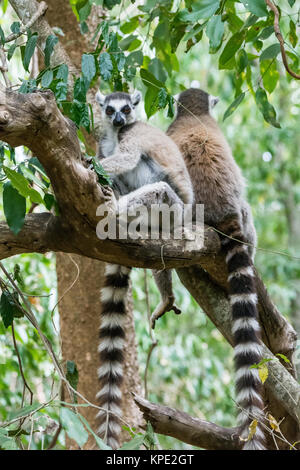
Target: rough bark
{"x": 193, "y": 431}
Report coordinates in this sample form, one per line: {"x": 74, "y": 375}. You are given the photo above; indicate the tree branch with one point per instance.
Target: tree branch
{"x": 41, "y": 9}
{"x": 194, "y": 431}
{"x": 280, "y": 39}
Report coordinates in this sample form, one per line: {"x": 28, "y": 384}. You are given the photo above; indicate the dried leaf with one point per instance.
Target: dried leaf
{"x": 273, "y": 423}
{"x": 263, "y": 372}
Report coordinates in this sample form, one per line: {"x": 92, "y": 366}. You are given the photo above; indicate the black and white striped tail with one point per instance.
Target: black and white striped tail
{"x": 111, "y": 344}
{"x": 246, "y": 333}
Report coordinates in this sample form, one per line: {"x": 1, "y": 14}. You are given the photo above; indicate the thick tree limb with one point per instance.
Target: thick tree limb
{"x": 194, "y": 431}
{"x": 45, "y": 232}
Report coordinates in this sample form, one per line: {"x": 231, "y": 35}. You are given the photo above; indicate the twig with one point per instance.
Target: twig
{"x": 151, "y": 334}
{"x": 4, "y": 68}
{"x": 40, "y": 12}
{"x": 55, "y": 437}
{"x": 280, "y": 39}
{"x": 20, "y": 364}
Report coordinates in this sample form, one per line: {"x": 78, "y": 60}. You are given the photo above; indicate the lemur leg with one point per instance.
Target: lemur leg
{"x": 156, "y": 193}
{"x": 163, "y": 281}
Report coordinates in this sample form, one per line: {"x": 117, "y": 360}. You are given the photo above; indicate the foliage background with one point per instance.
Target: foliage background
{"x": 192, "y": 359}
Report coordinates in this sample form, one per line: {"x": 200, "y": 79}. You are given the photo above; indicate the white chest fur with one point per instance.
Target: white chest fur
{"x": 109, "y": 142}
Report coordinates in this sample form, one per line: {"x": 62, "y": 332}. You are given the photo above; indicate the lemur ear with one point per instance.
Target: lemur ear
{"x": 100, "y": 98}
{"x": 136, "y": 97}
{"x": 213, "y": 100}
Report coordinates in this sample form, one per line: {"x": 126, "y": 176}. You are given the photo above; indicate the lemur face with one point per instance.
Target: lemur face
{"x": 118, "y": 109}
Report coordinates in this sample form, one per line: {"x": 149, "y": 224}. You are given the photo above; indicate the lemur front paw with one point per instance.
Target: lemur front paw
{"x": 110, "y": 200}
{"x": 165, "y": 306}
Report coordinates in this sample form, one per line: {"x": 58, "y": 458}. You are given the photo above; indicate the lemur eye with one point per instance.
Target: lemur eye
{"x": 126, "y": 109}
{"x": 109, "y": 110}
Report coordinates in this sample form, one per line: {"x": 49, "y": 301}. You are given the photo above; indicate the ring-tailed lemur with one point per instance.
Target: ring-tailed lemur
{"x": 219, "y": 185}
{"x": 146, "y": 166}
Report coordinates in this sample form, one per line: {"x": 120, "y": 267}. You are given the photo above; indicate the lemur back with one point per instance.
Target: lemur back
{"x": 138, "y": 158}
{"x": 219, "y": 185}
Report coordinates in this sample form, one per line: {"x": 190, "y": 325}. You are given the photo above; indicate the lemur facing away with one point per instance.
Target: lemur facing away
{"x": 219, "y": 185}
{"x": 146, "y": 168}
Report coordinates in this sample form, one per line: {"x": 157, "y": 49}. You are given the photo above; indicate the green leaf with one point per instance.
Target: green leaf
{"x": 80, "y": 88}
{"x": 25, "y": 411}
{"x": 231, "y": 47}
{"x": 233, "y": 106}
{"x": 47, "y": 78}
{"x": 72, "y": 374}
{"x": 84, "y": 11}
{"x": 6, "y": 309}
{"x": 282, "y": 356}
{"x": 129, "y": 42}
{"x": 153, "y": 86}
{"x": 63, "y": 72}
{"x": 103, "y": 178}
{"x": 101, "y": 444}
{"x": 134, "y": 444}
{"x": 134, "y": 58}
{"x": 162, "y": 98}
{"x": 149, "y": 437}
{"x": 157, "y": 69}
{"x": 293, "y": 37}
{"x": 111, "y": 3}
{"x": 29, "y": 50}
{"x": 270, "y": 52}
{"x": 49, "y": 201}
{"x": 2, "y": 36}
{"x": 73, "y": 426}
{"x": 215, "y": 31}
{"x": 7, "y": 443}
{"x": 203, "y": 9}
{"x": 22, "y": 185}
{"x": 105, "y": 66}
{"x": 130, "y": 25}
{"x": 11, "y": 51}
{"x": 291, "y": 2}
{"x": 49, "y": 46}
{"x": 241, "y": 60}
{"x": 265, "y": 107}
{"x": 270, "y": 74}
{"x": 257, "y": 7}
{"x": 88, "y": 66}
{"x": 266, "y": 32}
{"x": 15, "y": 27}
{"x": 84, "y": 27}
{"x": 14, "y": 206}
{"x": 149, "y": 80}
{"x": 194, "y": 31}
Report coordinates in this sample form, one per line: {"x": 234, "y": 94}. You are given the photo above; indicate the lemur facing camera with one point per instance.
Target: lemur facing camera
{"x": 219, "y": 185}
{"x": 146, "y": 168}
